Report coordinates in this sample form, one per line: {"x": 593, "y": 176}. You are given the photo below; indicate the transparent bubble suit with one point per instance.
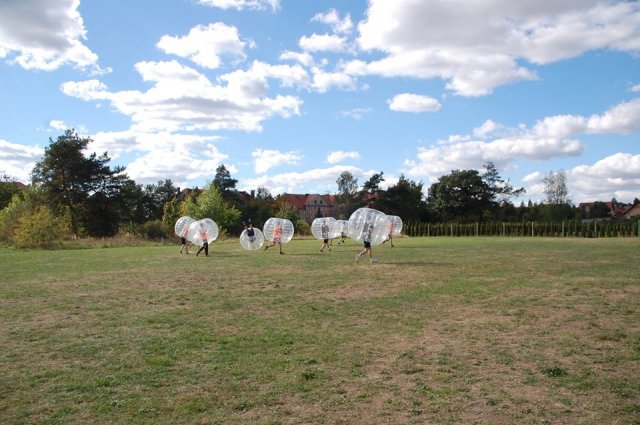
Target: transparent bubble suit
{"x": 252, "y": 243}
{"x": 342, "y": 226}
{"x": 203, "y": 230}
{"x": 394, "y": 226}
{"x": 324, "y": 228}
{"x": 270, "y": 226}
{"x": 182, "y": 226}
{"x": 368, "y": 225}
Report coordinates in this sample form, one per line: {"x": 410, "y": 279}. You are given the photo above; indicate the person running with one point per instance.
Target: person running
{"x": 202, "y": 234}
{"x": 325, "y": 236}
{"x": 389, "y": 233}
{"x": 367, "y": 231}
{"x": 277, "y": 238}
{"x": 183, "y": 240}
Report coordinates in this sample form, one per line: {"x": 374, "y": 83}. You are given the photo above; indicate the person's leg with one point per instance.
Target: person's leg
{"x": 280, "y": 247}
{"x": 206, "y": 249}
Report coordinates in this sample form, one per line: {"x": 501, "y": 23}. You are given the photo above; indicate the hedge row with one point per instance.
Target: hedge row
{"x": 529, "y": 228}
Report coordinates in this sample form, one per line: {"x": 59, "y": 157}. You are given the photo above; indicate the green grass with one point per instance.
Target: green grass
{"x": 440, "y": 330}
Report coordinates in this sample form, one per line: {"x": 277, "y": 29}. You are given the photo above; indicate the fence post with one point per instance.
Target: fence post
{"x": 476, "y": 228}
{"x": 427, "y": 229}
{"x": 532, "y": 229}
{"x": 563, "y": 229}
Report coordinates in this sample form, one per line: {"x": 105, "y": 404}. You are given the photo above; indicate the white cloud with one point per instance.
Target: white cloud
{"x": 550, "y": 137}
{"x": 332, "y": 18}
{"x": 560, "y": 126}
{"x": 18, "y": 160}
{"x": 407, "y": 102}
{"x": 356, "y": 113}
{"x": 179, "y": 157}
{"x": 44, "y": 34}
{"x": 323, "y": 178}
{"x": 242, "y": 4}
{"x": 58, "y": 125}
{"x": 622, "y": 118}
{"x": 323, "y": 43}
{"x": 204, "y": 44}
{"x": 616, "y": 176}
{"x": 180, "y": 165}
{"x": 265, "y": 159}
{"x": 323, "y": 81}
{"x": 304, "y": 58}
{"x": 487, "y": 128}
{"x": 635, "y": 89}
{"x": 436, "y": 161}
{"x": 478, "y": 46}
{"x": 182, "y": 99}
{"x": 339, "y": 156}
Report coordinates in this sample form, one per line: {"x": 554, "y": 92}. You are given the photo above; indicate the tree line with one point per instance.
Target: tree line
{"x": 76, "y": 195}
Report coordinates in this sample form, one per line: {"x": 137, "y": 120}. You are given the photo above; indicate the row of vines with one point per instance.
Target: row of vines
{"x": 529, "y": 228}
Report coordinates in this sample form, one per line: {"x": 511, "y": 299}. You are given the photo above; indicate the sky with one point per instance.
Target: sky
{"x": 288, "y": 94}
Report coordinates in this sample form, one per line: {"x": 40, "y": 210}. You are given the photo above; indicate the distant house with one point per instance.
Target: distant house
{"x": 632, "y": 211}
{"x": 616, "y": 209}
{"x": 310, "y": 206}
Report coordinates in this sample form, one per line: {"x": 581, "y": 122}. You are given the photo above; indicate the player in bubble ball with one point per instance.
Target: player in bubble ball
{"x": 277, "y": 238}
{"x": 325, "y": 236}
{"x": 367, "y": 231}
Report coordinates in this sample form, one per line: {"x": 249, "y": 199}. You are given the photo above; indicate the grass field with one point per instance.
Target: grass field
{"x": 440, "y": 330}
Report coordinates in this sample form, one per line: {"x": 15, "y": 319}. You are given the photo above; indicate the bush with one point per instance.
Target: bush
{"x": 21, "y": 204}
{"x": 156, "y": 230}
{"x": 40, "y": 229}
{"x": 302, "y": 228}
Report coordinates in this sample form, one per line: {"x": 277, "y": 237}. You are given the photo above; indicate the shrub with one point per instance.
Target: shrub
{"x": 302, "y": 228}
{"x": 40, "y": 228}
{"x": 155, "y": 230}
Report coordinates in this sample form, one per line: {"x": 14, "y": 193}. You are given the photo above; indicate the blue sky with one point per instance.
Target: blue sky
{"x": 287, "y": 94}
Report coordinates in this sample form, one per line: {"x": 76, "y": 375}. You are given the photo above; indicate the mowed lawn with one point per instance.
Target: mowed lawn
{"x": 438, "y": 331}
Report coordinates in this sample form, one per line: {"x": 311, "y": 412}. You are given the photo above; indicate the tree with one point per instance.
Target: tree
{"x": 210, "y": 204}
{"x": 498, "y": 187}
{"x": 600, "y": 210}
{"x": 156, "y": 196}
{"x": 404, "y": 199}
{"x": 461, "y": 195}
{"x": 347, "y": 190}
{"x": 68, "y": 178}
{"x": 555, "y": 187}
{"x": 8, "y": 188}
{"x": 263, "y": 194}
{"x": 223, "y": 181}
{"x": 372, "y": 186}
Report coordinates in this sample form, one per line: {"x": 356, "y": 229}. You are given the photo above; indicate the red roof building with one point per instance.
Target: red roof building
{"x": 310, "y": 206}
{"x": 616, "y": 209}
{"x": 632, "y": 211}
